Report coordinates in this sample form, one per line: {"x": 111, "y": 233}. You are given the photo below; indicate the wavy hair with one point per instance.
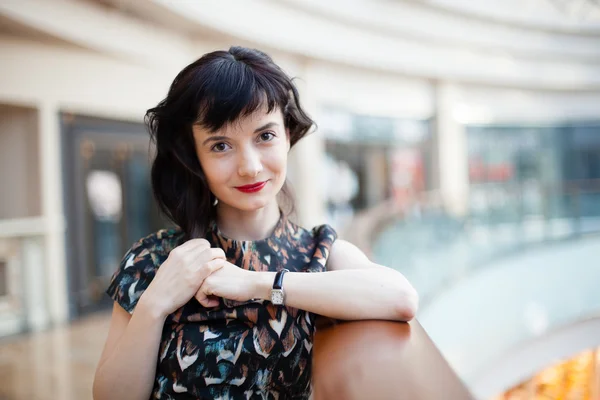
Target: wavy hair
{"x": 214, "y": 91}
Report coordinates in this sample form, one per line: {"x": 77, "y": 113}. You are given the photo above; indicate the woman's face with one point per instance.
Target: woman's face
{"x": 245, "y": 162}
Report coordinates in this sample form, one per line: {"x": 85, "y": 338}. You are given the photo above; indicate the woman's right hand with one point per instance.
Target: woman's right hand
{"x": 178, "y": 279}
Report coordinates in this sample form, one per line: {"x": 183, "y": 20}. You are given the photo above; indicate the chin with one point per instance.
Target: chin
{"x": 250, "y": 204}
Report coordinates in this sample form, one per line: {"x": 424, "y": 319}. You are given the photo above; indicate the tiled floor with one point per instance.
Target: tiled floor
{"x": 58, "y": 364}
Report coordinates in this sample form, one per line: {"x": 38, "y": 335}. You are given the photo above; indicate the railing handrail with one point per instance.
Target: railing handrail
{"x": 381, "y": 360}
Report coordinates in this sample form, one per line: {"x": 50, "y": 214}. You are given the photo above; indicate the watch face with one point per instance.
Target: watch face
{"x": 277, "y": 296}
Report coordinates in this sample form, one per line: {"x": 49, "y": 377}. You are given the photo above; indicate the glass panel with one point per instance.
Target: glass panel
{"x": 372, "y": 159}
{"x": 117, "y": 209}
{"x": 105, "y": 198}
{"x": 528, "y": 185}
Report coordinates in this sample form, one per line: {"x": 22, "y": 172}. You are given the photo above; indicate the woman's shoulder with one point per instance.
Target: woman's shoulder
{"x": 139, "y": 265}
{"x": 315, "y": 243}
{"x": 311, "y": 245}
{"x": 317, "y": 233}
{"x": 159, "y": 242}
{"x": 151, "y": 250}
{"x": 324, "y": 231}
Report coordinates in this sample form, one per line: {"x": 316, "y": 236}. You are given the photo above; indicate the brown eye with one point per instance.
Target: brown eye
{"x": 266, "y": 136}
{"x": 219, "y": 147}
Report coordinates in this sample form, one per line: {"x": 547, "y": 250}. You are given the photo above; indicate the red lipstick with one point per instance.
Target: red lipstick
{"x": 255, "y": 187}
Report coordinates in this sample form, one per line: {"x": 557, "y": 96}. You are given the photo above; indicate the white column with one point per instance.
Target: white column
{"x": 34, "y": 279}
{"x": 306, "y": 162}
{"x": 52, "y": 211}
{"x": 451, "y": 151}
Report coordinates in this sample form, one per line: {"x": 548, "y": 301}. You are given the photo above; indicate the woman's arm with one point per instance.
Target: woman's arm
{"x": 127, "y": 366}
{"x": 353, "y": 288}
{"x": 128, "y": 362}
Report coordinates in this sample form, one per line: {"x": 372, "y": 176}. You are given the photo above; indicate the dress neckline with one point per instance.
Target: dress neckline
{"x": 277, "y": 233}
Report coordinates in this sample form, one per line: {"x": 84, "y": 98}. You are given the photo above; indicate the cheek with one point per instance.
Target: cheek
{"x": 215, "y": 172}
{"x": 277, "y": 162}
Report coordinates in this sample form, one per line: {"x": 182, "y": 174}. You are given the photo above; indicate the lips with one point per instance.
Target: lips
{"x": 253, "y": 188}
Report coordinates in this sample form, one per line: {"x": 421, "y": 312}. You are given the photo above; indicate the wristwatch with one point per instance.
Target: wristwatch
{"x": 277, "y": 293}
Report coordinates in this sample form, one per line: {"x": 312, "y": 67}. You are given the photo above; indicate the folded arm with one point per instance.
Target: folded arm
{"x": 353, "y": 287}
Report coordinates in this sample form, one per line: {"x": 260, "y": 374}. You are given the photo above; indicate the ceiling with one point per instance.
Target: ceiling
{"x": 574, "y": 15}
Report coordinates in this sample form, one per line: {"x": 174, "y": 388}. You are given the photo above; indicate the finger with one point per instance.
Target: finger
{"x": 214, "y": 265}
{"x": 200, "y": 255}
{"x": 200, "y": 296}
{"x": 216, "y": 252}
{"x": 210, "y": 267}
{"x": 210, "y": 301}
{"x": 206, "y": 300}
{"x": 193, "y": 244}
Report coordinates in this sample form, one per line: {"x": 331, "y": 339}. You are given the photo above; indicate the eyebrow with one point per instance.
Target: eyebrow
{"x": 266, "y": 126}
{"x": 221, "y": 137}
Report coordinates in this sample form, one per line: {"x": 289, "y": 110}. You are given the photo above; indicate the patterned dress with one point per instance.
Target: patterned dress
{"x": 237, "y": 350}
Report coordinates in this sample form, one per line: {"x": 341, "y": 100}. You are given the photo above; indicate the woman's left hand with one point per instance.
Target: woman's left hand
{"x": 230, "y": 282}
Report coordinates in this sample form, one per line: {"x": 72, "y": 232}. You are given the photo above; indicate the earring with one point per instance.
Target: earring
{"x": 215, "y": 202}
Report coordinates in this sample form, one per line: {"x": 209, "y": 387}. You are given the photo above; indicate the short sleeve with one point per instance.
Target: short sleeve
{"x": 323, "y": 237}
{"x": 131, "y": 279}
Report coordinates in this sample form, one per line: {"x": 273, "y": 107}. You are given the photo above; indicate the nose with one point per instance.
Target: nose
{"x": 250, "y": 163}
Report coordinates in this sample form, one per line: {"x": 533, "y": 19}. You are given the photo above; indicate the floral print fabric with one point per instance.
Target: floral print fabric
{"x": 238, "y": 350}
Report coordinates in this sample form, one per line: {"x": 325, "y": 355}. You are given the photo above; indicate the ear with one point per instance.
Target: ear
{"x": 287, "y": 135}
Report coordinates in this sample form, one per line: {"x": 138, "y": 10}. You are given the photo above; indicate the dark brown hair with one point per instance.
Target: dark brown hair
{"x": 213, "y": 91}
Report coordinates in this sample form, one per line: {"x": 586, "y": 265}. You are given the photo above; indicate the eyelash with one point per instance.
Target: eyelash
{"x": 269, "y": 133}
{"x": 213, "y": 148}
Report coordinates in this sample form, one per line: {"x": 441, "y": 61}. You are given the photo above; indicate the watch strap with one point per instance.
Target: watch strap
{"x": 278, "y": 281}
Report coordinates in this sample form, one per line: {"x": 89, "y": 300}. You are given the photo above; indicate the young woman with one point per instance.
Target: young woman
{"x": 223, "y": 307}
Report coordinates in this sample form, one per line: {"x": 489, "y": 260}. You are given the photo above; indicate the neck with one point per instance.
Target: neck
{"x": 247, "y": 225}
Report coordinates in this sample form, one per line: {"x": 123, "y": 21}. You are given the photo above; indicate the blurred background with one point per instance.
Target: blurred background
{"x": 458, "y": 142}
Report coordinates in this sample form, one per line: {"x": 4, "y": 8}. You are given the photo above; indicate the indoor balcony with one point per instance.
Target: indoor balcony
{"x": 515, "y": 277}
